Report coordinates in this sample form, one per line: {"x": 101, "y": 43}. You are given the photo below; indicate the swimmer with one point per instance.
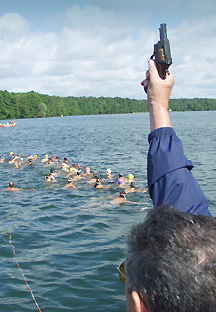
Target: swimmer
{"x": 66, "y": 160}
{"x": 2, "y": 159}
{"x": 35, "y": 157}
{"x": 11, "y": 160}
{"x": 122, "y": 199}
{"x": 88, "y": 172}
{"x": 11, "y": 154}
{"x": 50, "y": 178}
{"x": 57, "y": 158}
{"x": 65, "y": 167}
{"x": 16, "y": 165}
{"x": 78, "y": 176}
{"x": 98, "y": 184}
{"x": 108, "y": 173}
{"x": 53, "y": 173}
{"x": 49, "y": 162}
{"x": 121, "y": 182}
{"x": 130, "y": 178}
{"x": 45, "y": 159}
{"x": 30, "y": 156}
{"x": 29, "y": 163}
{"x": 70, "y": 184}
{"x": 72, "y": 172}
{"x": 12, "y": 188}
{"x": 132, "y": 189}
{"x": 97, "y": 176}
{"x": 78, "y": 165}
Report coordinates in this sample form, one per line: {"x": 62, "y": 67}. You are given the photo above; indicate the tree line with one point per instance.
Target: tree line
{"x": 32, "y": 104}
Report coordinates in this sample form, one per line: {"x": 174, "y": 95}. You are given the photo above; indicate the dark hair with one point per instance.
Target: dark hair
{"x": 11, "y": 184}
{"x": 52, "y": 170}
{"x": 171, "y": 261}
{"x": 122, "y": 194}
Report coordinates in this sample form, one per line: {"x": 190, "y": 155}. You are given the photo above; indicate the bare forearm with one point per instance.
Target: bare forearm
{"x": 159, "y": 117}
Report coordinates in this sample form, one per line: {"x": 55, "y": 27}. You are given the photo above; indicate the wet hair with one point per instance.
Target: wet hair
{"x": 48, "y": 175}
{"x": 122, "y": 194}
{"x": 11, "y": 184}
{"x": 70, "y": 180}
{"x": 79, "y": 172}
{"x": 52, "y": 170}
{"x": 171, "y": 261}
{"x": 132, "y": 185}
{"x": 121, "y": 175}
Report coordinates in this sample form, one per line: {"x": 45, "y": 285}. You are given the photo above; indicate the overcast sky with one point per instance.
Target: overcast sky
{"x": 101, "y": 47}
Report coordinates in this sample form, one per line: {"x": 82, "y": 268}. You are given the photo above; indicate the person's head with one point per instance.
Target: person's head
{"x": 46, "y": 156}
{"x": 171, "y": 262}
{"x": 48, "y": 175}
{"x": 11, "y": 185}
{"x": 121, "y": 175}
{"x": 122, "y": 194}
{"x": 120, "y": 181}
{"x": 132, "y": 186}
{"x": 70, "y": 181}
{"x": 52, "y": 170}
{"x": 130, "y": 176}
{"x": 97, "y": 176}
{"x": 108, "y": 171}
{"x": 79, "y": 172}
{"x": 87, "y": 170}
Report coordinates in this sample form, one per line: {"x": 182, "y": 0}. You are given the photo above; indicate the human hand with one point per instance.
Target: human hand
{"x": 158, "y": 90}
{"x": 158, "y": 94}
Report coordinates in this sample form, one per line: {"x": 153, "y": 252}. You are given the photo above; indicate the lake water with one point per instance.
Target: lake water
{"x": 69, "y": 242}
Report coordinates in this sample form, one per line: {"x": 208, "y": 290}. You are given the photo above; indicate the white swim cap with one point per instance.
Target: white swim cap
{"x": 109, "y": 170}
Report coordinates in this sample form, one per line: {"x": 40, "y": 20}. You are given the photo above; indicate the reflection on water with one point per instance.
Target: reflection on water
{"x": 69, "y": 242}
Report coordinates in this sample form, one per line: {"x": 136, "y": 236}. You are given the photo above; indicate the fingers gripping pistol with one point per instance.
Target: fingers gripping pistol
{"x": 162, "y": 53}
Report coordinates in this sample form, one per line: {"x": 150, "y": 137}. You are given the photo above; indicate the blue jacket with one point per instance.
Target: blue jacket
{"x": 170, "y": 180}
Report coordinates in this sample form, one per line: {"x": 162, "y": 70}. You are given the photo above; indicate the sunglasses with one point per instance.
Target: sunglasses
{"x": 122, "y": 272}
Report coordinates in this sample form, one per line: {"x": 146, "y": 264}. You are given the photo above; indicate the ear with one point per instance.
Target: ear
{"x": 138, "y": 302}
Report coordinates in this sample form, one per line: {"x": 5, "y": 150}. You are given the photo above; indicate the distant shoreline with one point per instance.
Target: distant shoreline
{"x": 34, "y": 105}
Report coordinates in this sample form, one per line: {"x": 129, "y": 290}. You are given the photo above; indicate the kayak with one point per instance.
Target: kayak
{"x": 8, "y": 125}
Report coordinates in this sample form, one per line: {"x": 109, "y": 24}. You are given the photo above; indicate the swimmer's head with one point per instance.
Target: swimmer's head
{"x": 98, "y": 180}
{"x": 120, "y": 181}
{"x": 30, "y": 154}
{"x": 11, "y": 153}
{"x": 78, "y": 172}
{"x": 132, "y": 185}
{"x": 72, "y": 169}
{"x": 122, "y": 194}
{"x": 109, "y": 170}
{"x": 131, "y": 176}
{"x": 121, "y": 175}
{"x": 11, "y": 184}
{"x": 70, "y": 180}
{"x": 48, "y": 175}
{"x": 46, "y": 156}
{"x": 52, "y": 170}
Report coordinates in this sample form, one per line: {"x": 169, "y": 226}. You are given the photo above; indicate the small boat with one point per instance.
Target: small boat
{"x": 11, "y": 124}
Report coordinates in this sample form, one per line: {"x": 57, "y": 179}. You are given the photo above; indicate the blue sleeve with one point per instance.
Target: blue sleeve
{"x": 170, "y": 180}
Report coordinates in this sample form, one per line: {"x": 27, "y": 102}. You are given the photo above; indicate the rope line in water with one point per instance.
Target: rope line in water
{"x": 26, "y": 282}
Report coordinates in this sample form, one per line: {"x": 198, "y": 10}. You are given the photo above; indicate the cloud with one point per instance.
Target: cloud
{"x": 96, "y": 51}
